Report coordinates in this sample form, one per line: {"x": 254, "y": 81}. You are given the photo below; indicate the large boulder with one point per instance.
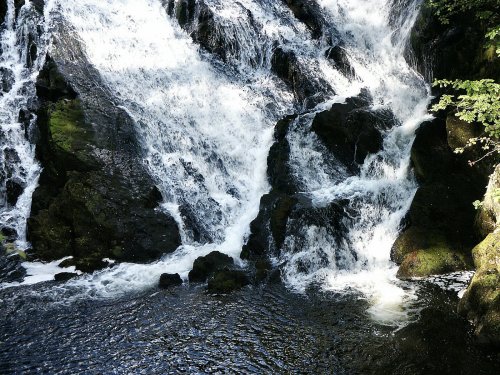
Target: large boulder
{"x": 205, "y": 266}
{"x": 352, "y": 130}
{"x": 95, "y": 198}
{"x": 433, "y": 260}
{"x": 488, "y": 216}
{"x": 481, "y": 301}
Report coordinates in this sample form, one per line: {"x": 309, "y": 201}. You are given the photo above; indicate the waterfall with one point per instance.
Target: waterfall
{"x": 23, "y": 45}
{"x": 205, "y": 123}
{"x": 381, "y": 193}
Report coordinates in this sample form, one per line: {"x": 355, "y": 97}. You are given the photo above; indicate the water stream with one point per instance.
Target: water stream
{"x": 206, "y": 128}
{"x": 206, "y": 122}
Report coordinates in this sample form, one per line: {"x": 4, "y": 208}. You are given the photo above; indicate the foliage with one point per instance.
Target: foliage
{"x": 479, "y": 102}
{"x": 445, "y": 9}
{"x": 485, "y": 11}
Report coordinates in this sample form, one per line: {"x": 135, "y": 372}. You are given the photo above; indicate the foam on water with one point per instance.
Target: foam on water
{"x": 380, "y": 195}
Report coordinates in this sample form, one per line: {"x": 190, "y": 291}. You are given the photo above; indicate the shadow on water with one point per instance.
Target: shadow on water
{"x": 257, "y": 330}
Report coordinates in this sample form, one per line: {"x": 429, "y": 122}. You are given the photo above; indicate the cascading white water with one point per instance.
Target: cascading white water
{"x": 381, "y": 193}
{"x": 17, "y": 154}
{"x": 207, "y": 127}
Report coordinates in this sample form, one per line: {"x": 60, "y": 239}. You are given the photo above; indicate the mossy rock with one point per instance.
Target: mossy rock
{"x": 481, "y": 301}
{"x": 227, "y": 281}
{"x": 415, "y": 239}
{"x": 432, "y": 261}
{"x": 488, "y": 216}
{"x": 67, "y": 126}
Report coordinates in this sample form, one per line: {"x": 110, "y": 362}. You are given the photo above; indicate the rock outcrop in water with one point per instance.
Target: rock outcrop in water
{"x": 350, "y": 131}
{"x": 94, "y": 199}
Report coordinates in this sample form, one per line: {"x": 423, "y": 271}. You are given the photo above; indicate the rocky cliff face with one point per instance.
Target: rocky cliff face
{"x": 453, "y": 51}
{"x": 444, "y": 229}
{"x": 95, "y": 198}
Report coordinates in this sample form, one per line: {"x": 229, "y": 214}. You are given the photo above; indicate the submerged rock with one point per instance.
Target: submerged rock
{"x": 226, "y": 281}
{"x": 168, "y": 280}
{"x": 204, "y": 267}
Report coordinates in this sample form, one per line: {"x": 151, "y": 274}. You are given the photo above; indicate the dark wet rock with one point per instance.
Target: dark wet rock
{"x": 168, "y": 280}
{"x": 430, "y": 145}
{"x": 307, "y": 89}
{"x": 455, "y": 50}
{"x": 95, "y": 199}
{"x": 38, "y": 4}
{"x": 51, "y": 85}
{"x": 3, "y": 10}
{"x": 338, "y": 56}
{"x": 267, "y": 231}
{"x": 309, "y": 13}
{"x": 64, "y": 276}
{"x": 441, "y": 217}
{"x": 227, "y": 281}
{"x": 204, "y": 267}
{"x": 9, "y": 233}
{"x": 18, "y": 4}
{"x": 185, "y": 11}
{"x": 6, "y": 79}
{"x": 279, "y": 172}
{"x": 14, "y": 189}
{"x": 283, "y": 203}
{"x": 351, "y": 130}
{"x": 11, "y": 269}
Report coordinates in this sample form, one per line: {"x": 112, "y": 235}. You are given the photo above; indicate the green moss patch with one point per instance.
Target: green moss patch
{"x": 66, "y": 124}
{"x": 432, "y": 261}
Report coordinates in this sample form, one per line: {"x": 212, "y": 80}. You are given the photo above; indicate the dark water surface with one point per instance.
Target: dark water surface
{"x": 256, "y": 330}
